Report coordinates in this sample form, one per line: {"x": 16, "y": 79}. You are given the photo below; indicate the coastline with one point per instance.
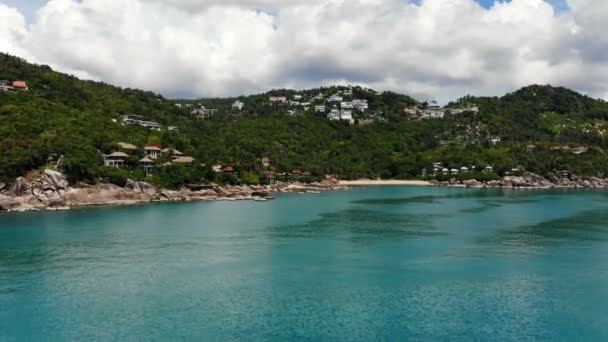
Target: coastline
{"x": 51, "y": 192}
{"x": 388, "y": 182}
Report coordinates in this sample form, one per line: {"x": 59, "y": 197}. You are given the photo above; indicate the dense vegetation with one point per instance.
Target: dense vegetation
{"x": 64, "y": 116}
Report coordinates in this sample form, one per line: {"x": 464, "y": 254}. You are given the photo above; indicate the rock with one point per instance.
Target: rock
{"x": 20, "y": 187}
{"x": 142, "y": 188}
{"x": 55, "y": 180}
{"x": 2, "y": 186}
{"x": 8, "y": 203}
{"x": 263, "y": 194}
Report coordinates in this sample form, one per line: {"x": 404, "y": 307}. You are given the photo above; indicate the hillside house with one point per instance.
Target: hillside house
{"x": 147, "y": 165}
{"x": 115, "y": 159}
{"x": 320, "y": 109}
{"x": 297, "y": 97}
{"x": 20, "y": 86}
{"x": 6, "y": 86}
{"x": 335, "y": 98}
{"x": 183, "y": 160}
{"x": 360, "y": 105}
{"x": 347, "y": 115}
{"x": 277, "y": 99}
{"x": 152, "y": 152}
{"x": 203, "y": 113}
{"x": 238, "y": 105}
{"x": 172, "y": 152}
{"x": 129, "y": 148}
{"x": 488, "y": 169}
{"x": 346, "y": 105}
{"x": 334, "y": 115}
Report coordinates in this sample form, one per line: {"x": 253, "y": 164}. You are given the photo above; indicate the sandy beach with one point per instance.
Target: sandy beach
{"x": 370, "y": 182}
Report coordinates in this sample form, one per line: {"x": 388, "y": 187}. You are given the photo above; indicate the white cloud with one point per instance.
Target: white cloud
{"x": 438, "y": 48}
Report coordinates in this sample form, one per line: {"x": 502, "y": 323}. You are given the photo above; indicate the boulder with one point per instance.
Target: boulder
{"x": 2, "y": 186}
{"x": 8, "y": 203}
{"x": 20, "y": 187}
{"x": 54, "y": 180}
{"x": 142, "y": 188}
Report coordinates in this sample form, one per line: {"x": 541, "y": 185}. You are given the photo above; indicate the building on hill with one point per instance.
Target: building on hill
{"x": 20, "y": 86}
{"x": 346, "y": 105}
{"x": 238, "y": 105}
{"x": 334, "y": 115}
{"x": 172, "y": 152}
{"x": 277, "y": 99}
{"x": 335, "y": 98}
{"x": 127, "y": 147}
{"x": 203, "y": 113}
{"x": 347, "y": 115}
{"x": 147, "y": 165}
{"x": 152, "y": 152}
{"x": 320, "y": 109}
{"x": 6, "y": 86}
{"x": 297, "y": 97}
{"x": 183, "y": 160}
{"x": 360, "y": 105}
{"x": 115, "y": 159}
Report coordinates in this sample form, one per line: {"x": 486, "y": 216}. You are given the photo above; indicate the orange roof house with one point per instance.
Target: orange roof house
{"x": 20, "y": 85}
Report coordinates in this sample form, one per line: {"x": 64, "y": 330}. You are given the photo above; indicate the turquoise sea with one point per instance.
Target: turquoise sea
{"x": 388, "y": 264}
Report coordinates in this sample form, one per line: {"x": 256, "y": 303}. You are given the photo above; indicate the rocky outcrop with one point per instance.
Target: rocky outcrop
{"x": 142, "y": 188}
{"x": 20, "y": 187}
{"x": 529, "y": 180}
{"x": 50, "y": 191}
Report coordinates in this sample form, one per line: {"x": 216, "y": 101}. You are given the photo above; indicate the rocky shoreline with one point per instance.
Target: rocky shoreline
{"x": 51, "y": 191}
{"x": 530, "y": 181}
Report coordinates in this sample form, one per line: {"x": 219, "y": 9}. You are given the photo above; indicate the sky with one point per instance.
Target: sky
{"x": 431, "y": 49}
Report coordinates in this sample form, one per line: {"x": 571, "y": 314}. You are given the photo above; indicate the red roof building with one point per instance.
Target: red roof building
{"x": 20, "y": 85}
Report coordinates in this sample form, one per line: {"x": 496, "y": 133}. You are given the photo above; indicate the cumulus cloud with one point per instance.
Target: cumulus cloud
{"x": 429, "y": 48}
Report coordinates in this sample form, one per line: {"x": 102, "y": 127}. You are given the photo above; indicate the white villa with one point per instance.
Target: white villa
{"x": 320, "y": 109}
{"x": 334, "y": 115}
{"x": 346, "y": 105}
{"x": 335, "y": 98}
{"x": 238, "y": 105}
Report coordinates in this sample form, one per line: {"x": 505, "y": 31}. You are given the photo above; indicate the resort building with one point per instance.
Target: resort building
{"x": 152, "y": 152}
{"x": 130, "y": 148}
{"x": 320, "y": 109}
{"x": 183, "y": 160}
{"x": 115, "y": 159}
{"x": 334, "y": 115}
{"x": 147, "y": 165}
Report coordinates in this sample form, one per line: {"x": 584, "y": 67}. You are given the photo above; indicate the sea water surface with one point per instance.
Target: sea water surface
{"x": 393, "y": 263}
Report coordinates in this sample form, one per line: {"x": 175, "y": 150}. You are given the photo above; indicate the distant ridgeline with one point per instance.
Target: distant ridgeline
{"x": 49, "y": 119}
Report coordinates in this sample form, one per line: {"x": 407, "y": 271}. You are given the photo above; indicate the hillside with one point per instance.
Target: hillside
{"x": 542, "y": 129}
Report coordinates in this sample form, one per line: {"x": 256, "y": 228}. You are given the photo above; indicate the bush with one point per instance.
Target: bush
{"x": 114, "y": 175}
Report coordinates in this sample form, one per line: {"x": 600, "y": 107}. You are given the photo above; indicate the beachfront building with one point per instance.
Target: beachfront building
{"x": 147, "y": 165}
{"x": 115, "y": 159}
{"x": 152, "y": 152}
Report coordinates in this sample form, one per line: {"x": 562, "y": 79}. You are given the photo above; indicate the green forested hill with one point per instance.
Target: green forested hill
{"x": 62, "y": 115}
